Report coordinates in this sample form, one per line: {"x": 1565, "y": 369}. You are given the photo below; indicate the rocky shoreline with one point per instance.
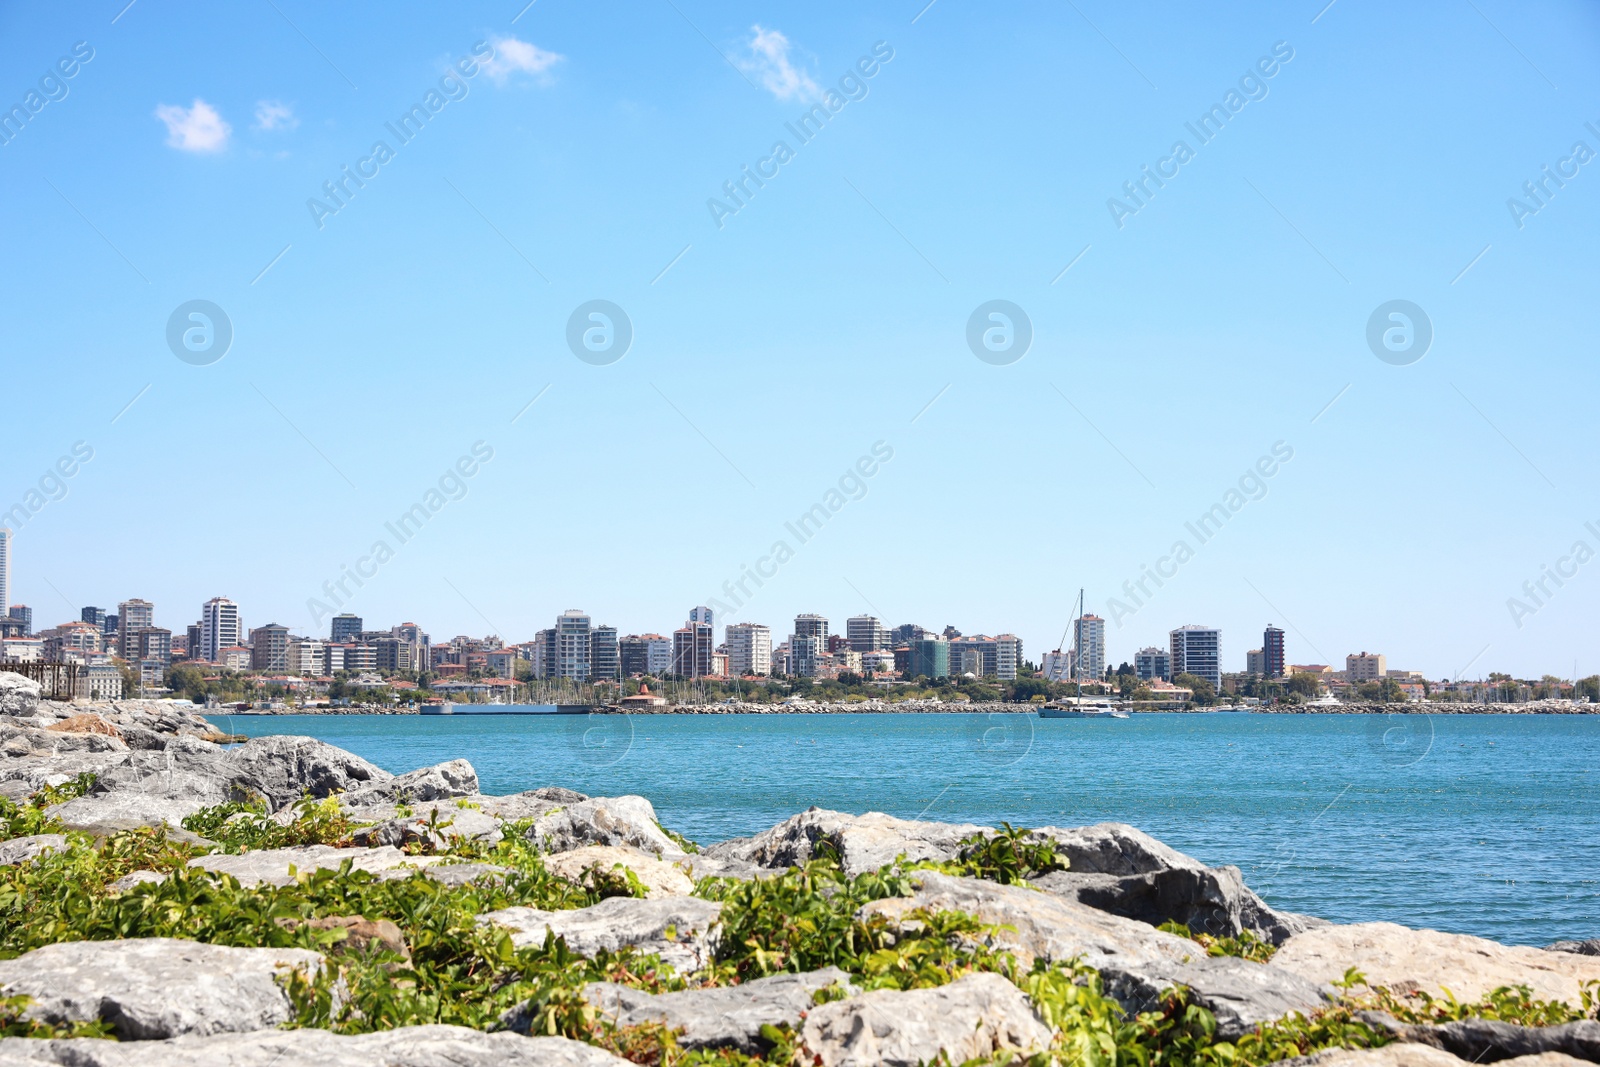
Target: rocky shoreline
{"x": 168, "y": 900}
{"x": 909, "y": 707}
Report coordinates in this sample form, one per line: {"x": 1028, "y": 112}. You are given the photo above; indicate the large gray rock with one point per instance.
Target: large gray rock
{"x": 1591, "y": 947}
{"x": 22, "y": 849}
{"x": 1208, "y": 900}
{"x": 156, "y": 988}
{"x": 683, "y": 931}
{"x": 863, "y": 842}
{"x": 976, "y": 1016}
{"x": 1486, "y": 1041}
{"x": 437, "y": 823}
{"x": 151, "y": 787}
{"x": 1412, "y": 1055}
{"x": 628, "y": 820}
{"x": 279, "y": 866}
{"x": 408, "y": 1046}
{"x": 1137, "y": 961}
{"x": 530, "y": 804}
{"x": 285, "y": 768}
{"x": 721, "y": 1017}
{"x": 457, "y": 778}
{"x": 1117, "y": 868}
{"x": 18, "y": 695}
{"x": 1403, "y": 959}
{"x": 104, "y": 814}
{"x": 1114, "y": 848}
{"x": 596, "y": 863}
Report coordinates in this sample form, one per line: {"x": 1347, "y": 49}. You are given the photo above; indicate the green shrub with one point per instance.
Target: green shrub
{"x": 1246, "y": 946}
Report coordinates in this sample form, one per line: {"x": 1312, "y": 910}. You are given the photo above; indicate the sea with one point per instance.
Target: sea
{"x": 1479, "y": 824}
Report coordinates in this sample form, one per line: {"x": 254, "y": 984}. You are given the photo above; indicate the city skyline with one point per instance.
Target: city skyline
{"x": 1192, "y": 320}
{"x": 680, "y": 651}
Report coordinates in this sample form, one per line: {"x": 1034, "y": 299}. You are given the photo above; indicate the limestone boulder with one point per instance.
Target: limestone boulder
{"x": 443, "y": 781}
{"x": 862, "y": 842}
{"x": 628, "y": 821}
{"x": 722, "y": 1017}
{"x": 683, "y": 931}
{"x": 155, "y": 988}
{"x": 1410, "y": 1055}
{"x": 976, "y": 1016}
{"x": 1488, "y": 1041}
{"x": 1590, "y": 947}
{"x": 438, "y": 823}
{"x": 1406, "y": 960}
{"x": 23, "y": 849}
{"x": 284, "y": 768}
{"x": 163, "y": 786}
{"x": 1118, "y": 868}
{"x": 598, "y": 862}
{"x": 530, "y": 804}
{"x": 18, "y": 695}
{"x": 1138, "y": 962}
{"x": 407, "y": 1046}
{"x": 280, "y": 866}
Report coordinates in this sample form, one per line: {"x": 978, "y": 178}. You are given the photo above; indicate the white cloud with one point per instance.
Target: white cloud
{"x": 512, "y": 55}
{"x": 769, "y": 57}
{"x": 273, "y": 115}
{"x": 194, "y": 129}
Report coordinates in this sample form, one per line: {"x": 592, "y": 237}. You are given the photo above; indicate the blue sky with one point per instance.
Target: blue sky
{"x": 771, "y": 352}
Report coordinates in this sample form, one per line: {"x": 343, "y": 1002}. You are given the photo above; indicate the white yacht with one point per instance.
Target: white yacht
{"x": 1080, "y": 706}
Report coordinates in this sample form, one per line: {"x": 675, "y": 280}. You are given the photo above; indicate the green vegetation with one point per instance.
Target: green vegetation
{"x": 458, "y": 971}
{"x": 1246, "y": 946}
{"x": 26, "y": 820}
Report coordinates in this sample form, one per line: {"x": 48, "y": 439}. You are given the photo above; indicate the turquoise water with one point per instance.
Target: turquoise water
{"x": 1478, "y": 824}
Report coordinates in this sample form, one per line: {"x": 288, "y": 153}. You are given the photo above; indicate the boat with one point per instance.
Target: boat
{"x": 1080, "y": 706}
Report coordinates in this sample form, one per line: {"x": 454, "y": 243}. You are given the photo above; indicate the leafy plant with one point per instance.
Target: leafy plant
{"x": 1008, "y": 856}
{"x": 28, "y": 819}
{"x": 244, "y": 826}
{"x": 1245, "y": 946}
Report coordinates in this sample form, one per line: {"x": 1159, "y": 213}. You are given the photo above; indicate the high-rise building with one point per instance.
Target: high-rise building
{"x": 1089, "y": 641}
{"x": 151, "y": 645}
{"x": 1153, "y": 663}
{"x": 23, "y": 614}
{"x": 5, "y": 569}
{"x": 930, "y": 657}
{"x": 133, "y": 616}
{"x": 986, "y": 657}
{"x": 645, "y": 654}
{"x": 1365, "y": 667}
{"x": 866, "y": 633}
{"x": 905, "y": 633}
{"x": 191, "y": 641}
{"x": 702, "y": 614}
{"x": 345, "y": 628}
{"x": 1272, "y": 653}
{"x": 269, "y": 648}
{"x": 604, "y": 656}
{"x": 109, "y": 628}
{"x": 219, "y": 627}
{"x": 1197, "y": 650}
{"x": 97, "y": 616}
{"x": 749, "y": 649}
{"x": 805, "y": 653}
{"x": 812, "y": 626}
{"x": 306, "y": 656}
{"x": 573, "y": 646}
{"x": 1255, "y": 662}
{"x": 691, "y": 650}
